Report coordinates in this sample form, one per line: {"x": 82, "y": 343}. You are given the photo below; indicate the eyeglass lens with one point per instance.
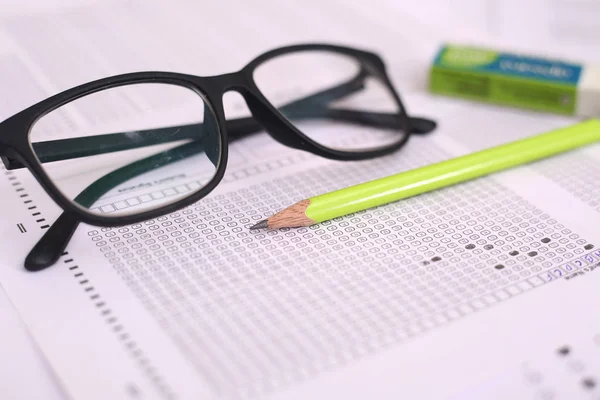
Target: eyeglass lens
{"x": 300, "y": 74}
{"x": 129, "y": 149}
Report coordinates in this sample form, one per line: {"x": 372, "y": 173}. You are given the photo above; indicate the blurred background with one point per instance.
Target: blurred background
{"x": 63, "y": 43}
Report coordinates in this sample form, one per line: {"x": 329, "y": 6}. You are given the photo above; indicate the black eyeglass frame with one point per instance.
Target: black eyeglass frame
{"x": 15, "y": 144}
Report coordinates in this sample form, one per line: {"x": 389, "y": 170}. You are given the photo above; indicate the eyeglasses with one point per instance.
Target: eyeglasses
{"x": 169, "y": 142}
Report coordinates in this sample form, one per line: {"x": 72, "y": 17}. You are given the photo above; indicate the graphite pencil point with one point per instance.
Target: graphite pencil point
{"x": 261, "y": 225}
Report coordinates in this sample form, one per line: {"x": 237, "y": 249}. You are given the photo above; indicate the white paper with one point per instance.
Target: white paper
{"x": 263, "y": 312}
{"x": 22, "y": 362}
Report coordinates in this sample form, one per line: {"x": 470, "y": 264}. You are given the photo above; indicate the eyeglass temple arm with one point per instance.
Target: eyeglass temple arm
{"x": 64, "y": 149}
{"x": 313, "y": 106}
{"x": 50, "y": 247}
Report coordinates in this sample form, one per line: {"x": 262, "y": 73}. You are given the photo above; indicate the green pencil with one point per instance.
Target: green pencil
{"x": 421, "y": 180}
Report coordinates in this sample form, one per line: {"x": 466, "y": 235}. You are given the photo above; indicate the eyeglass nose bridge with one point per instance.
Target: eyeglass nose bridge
{"x": 218, "y": 85}
{"x": 276, "y": 125}
{"x": 262, "y": 111}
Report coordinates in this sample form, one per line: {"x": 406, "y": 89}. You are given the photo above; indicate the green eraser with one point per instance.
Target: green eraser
{"x": 516, "y": 80}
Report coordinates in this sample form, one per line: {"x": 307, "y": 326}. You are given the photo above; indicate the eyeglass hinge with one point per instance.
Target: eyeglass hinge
{"x": 11, "y": 163}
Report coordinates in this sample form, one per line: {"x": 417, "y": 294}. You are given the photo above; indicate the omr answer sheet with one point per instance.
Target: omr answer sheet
{"x": 194, "y": 304}
{"x": 481, "y": 290}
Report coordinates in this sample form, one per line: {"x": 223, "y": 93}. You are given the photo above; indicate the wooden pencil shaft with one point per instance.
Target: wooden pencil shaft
{"x": 292, "y": 217}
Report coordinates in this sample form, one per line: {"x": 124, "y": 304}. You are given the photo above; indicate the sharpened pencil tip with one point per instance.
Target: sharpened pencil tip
{"x": 261, "y": 225}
